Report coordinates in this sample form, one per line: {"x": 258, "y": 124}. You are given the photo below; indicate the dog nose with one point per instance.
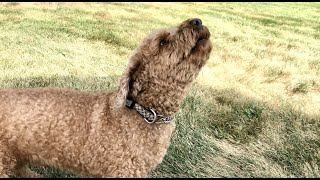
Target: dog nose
{"x": 196, "y": 22}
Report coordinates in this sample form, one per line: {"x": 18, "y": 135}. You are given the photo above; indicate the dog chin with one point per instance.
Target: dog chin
{"x": 202, "y": 43}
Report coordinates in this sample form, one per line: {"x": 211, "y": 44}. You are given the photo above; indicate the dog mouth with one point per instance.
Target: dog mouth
{"x": 202, "y": 39}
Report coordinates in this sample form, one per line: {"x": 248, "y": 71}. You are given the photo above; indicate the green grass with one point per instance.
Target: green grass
{"x": 252, "y": 112}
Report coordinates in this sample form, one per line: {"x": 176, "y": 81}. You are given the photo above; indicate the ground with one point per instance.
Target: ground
{"x": 253, "y": 111}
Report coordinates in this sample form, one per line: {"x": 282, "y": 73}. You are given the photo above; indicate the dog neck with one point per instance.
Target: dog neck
{"x": 165, "y": 101}
{"x": 149, "y": 114}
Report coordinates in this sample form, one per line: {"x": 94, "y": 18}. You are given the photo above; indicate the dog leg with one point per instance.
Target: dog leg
{"x": 7, "y": 162}
{"x": 22, "y": 170}
{"x": 3, "y": 171}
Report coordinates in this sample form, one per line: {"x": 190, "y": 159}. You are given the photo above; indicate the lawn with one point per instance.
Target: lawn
{"x": 253, "y": 111}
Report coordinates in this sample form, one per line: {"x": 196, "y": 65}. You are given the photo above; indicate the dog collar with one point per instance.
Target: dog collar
{"x": 149, "y": 115}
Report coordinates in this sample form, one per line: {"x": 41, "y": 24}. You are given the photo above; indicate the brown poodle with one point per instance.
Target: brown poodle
{"x": 117, "y": 134}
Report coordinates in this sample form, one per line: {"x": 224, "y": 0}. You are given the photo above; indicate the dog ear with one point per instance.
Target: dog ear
{"x": 123, "y": 89}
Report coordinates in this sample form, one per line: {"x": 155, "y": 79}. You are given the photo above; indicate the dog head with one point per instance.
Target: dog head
{"x": 164, "y": 64}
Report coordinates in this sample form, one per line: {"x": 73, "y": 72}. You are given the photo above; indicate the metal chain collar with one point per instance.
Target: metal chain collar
{"x": 149, "y": 115}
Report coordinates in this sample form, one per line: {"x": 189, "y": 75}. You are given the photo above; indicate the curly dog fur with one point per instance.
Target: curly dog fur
{"x": 95, "y": 134}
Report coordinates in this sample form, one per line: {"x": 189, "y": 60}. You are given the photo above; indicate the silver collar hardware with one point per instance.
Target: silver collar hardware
{"x": 149, "y": 115}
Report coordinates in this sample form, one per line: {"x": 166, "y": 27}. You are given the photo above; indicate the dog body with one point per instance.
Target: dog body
{"x": 83, "y": 134}
{"x": 95, "y": 134}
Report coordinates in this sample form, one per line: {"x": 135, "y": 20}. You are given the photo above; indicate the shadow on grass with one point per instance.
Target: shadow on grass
{"x": 206, "y": 112}
{"x": 229, "y": 114}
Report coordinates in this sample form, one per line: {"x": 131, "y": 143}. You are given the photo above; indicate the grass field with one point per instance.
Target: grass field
{"x": 254, "y": 110}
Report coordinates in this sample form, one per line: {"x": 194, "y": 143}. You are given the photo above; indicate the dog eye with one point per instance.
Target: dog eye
{"x": 162, "y": 42}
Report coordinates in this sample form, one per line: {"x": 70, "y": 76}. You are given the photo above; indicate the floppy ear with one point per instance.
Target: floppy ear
{"x": 123, "y": 89}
